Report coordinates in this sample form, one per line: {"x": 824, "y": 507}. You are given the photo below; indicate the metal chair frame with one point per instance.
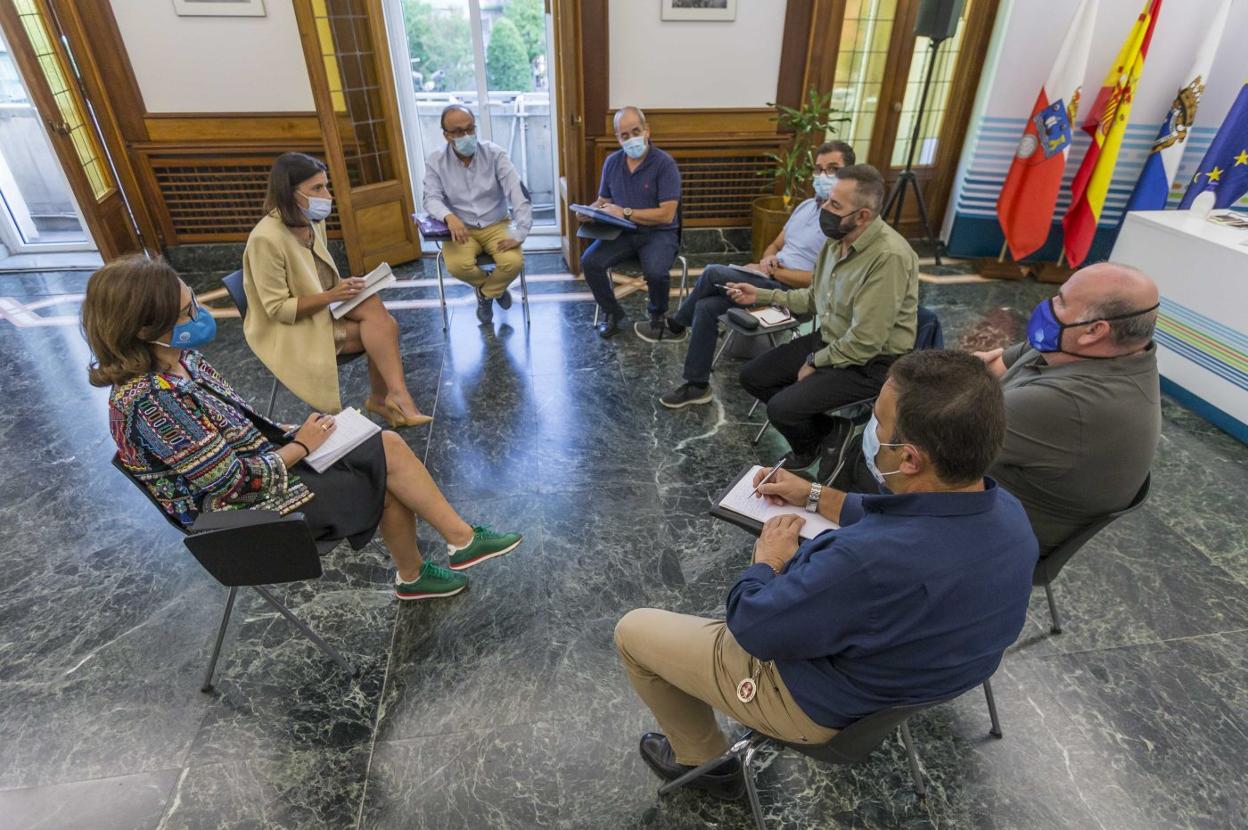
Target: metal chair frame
{"x": 1050, "y": 566}
{"x": 850, "y": 745}
{"x": 486, "y": 263}
{"x": 635, "y": 283}
{"x": 236, "y": 548}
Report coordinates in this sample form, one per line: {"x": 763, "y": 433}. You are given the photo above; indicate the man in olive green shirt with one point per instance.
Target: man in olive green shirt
{"x": 1082, "y": 402}
{"x": 865, "y": 295}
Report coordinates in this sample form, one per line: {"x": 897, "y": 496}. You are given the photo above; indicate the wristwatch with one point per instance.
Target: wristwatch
{"x": 628, "y": 213}
{"x": 810, "y": 360}
{"x": 812, "y": 501}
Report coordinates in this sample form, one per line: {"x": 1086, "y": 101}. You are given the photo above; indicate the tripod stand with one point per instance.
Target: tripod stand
{"x": 897, "y": 198}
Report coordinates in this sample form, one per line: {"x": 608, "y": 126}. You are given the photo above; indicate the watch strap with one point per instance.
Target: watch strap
{"x": 812, "y": 500}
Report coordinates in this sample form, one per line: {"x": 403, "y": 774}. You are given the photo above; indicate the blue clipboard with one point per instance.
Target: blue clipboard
{"x": 603, "y": 216}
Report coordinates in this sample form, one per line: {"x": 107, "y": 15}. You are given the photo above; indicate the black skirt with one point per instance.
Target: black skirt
{"x": 349, "y": 495}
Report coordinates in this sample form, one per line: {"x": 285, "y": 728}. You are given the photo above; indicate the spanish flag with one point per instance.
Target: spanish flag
{"x": 1107, "y": 122}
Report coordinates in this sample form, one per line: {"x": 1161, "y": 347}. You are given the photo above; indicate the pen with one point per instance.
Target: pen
{"x": 767, "y": 477}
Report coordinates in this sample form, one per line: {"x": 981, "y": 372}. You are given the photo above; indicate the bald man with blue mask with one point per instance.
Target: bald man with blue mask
{"x": 1083, "y": 401}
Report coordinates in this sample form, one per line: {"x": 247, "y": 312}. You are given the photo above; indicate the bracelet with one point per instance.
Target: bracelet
{"x": 303, "y": 446}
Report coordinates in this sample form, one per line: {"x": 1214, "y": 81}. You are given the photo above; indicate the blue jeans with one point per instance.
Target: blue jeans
{"x": 700, "y": 314}
{"x": 655, "y": 250}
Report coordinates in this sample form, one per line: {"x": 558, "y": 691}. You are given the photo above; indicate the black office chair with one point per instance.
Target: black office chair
{"x": 1050, "y": 566}
{"x": 929, "y": 335}
{"x": 485, "y": 262}
{"x": 253, "y": 549}
{"x": 234, "y": 287}
{"x": 583, "y": 233}
{"x": 849, "y": 746}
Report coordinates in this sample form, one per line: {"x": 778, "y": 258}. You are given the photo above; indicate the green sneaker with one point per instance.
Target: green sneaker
{"x": 485, "y": 544}
{"x": 434, "y": 582}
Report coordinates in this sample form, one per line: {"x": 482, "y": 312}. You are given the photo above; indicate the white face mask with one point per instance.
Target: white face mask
{"x": 317, "y": 208}
{"x": 871, "y": 448}
{"x": 823, "y": 185}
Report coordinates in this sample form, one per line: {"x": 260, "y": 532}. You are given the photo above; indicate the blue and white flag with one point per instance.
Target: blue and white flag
{"x": 1153, "y": 188}
{"x": 1224, "y": 169}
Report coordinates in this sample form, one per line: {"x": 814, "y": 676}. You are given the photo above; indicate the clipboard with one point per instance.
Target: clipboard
{"x": 595, "y": 231}
{"x": 813, "y": 528}
{"x": 603, "y": 216}
{"x": 732, "y": 517}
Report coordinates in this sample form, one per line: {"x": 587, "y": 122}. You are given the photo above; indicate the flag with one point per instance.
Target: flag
{"x": 1153, "y": 188}
{"x": 1224, "y": 169}
{"x": 1029, "y": 196}
{"x": 1107, "y": 122}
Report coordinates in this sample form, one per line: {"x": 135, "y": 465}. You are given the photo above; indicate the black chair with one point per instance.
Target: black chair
{"x": 849, "y": 746}
{"x": 234, "y": 287}
{"x": 252, "y": 549}
{"x": 1050, "y": 566}
{"x": 929, "y": 335}
{"x": 485, "y": 262}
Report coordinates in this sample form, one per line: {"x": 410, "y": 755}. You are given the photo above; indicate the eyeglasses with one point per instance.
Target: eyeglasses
{"x": 460, "y": 133}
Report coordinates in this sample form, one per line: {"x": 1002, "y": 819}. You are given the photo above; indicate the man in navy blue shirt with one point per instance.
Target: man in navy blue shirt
{"x": 640, "y": 183}
{"x": 913, "y": 599}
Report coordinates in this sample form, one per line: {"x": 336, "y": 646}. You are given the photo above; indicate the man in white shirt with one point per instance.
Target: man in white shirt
{"x": 469, "y": 185}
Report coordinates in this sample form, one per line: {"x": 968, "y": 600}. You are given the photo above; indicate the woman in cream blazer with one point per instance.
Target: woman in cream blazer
{"x": 291, "y": 279}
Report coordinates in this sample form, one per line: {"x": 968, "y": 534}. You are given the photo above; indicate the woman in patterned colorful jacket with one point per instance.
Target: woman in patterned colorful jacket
{"x": 189, "y": 438}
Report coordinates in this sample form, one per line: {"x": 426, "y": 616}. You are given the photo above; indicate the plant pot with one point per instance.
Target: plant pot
{"x": 769, "y": 213}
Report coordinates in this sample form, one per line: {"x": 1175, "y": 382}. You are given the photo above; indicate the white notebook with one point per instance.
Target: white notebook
{"x": 374, "y": 281}
{"x": 351, "y": 429}
{"x": 751, "y": 271}
{"x": 772, "y": 316}
{"x": 758, "y": 508}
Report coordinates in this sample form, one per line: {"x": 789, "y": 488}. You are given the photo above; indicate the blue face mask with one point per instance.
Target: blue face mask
{"x": 317, "y": 208}
{"x": 871, "y": 448}
{"x": 823, "y": 186}
{"x": 195, "y": 332}
{"x": 466, "y": 145}
{"x": 635, "y": 147}
{"x": 1044, "y": 330}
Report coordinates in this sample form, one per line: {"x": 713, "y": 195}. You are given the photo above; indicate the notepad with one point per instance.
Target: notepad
{"x": 740, "y": 501}
{"x": 772, "y": 316}
{"x": 376, "y": 279}
{"x": 753, "y": 272}
{"x": 350, "y": 430}
{"x": 602, "y": 216}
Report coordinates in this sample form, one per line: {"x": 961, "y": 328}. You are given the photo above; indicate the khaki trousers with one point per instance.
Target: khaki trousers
{"x": 461, "y": 260}
{"x": 685, "y": 667}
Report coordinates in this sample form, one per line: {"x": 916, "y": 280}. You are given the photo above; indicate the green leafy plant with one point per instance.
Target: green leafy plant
{"x": 810, "y": 124}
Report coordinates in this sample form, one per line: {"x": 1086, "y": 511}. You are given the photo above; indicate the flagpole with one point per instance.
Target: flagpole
{"x": 1001, "y": 256}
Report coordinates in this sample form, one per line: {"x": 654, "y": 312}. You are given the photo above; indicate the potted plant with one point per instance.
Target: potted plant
{"x": 793, "y": 167}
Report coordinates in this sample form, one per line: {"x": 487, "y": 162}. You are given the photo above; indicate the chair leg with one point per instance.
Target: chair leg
{"x": 216, "y": 649}
{"x": 442, "y": 293}
{"x": 753, "y": 406}
{"x": 1056, "y": 627}
{"x": 751, "y": 786}
{"x": 992, "y": 710}
{"x": 268, "y": 413}
{"x": 915, "y": 772}
{"x": 761, "y": 430}
{"x": 733, "y": 751}
{"x": 524, "y": 296}
{"x": 329, "y": 651}
{"x": 597, "y": 311}
{"x": 722, "y": 348}
{"x": 684, "y": 278}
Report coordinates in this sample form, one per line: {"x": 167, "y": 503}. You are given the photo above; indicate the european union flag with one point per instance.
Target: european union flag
{"x": 1224, "y": 169}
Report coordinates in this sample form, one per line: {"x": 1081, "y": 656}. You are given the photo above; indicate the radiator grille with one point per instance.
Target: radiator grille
{"x": 716, "y": 190}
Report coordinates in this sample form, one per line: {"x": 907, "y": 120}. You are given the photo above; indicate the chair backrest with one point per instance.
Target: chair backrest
{"x": 234, "y": 287}
{"x": 246, "y": 547}
{"x": 860, "y": 738}
{"x": 929, "y": 334}
{"x": 1050, "y": 566}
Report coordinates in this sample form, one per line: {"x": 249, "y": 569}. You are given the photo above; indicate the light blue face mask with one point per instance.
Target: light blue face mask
{"x": 871, "y": 448}
{"x": 823, "y": 185}
{"x": 195, "y": 332}
{"x": 635, "y": 147}
{"x": 466, "y": 145}
{"x": 317, "y": 208}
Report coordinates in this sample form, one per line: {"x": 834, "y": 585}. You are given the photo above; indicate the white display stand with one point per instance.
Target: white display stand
{"x": 1202, "y": 330}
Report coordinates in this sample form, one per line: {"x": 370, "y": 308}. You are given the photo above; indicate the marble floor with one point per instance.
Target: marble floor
{"x": 506, "y": 707}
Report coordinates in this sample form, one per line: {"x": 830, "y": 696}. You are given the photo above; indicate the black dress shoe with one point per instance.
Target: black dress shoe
{"x": 485, "y": 311}
{"x": 798, "y": 461}
{"x": 609, "y": 325}
{"x": 504, "y": 300}
{"x": 834, "y": 448}
{"x": 723, "y": 782}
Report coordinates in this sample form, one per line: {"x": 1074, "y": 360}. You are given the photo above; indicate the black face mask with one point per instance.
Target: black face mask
{"x": 834, "y": 226}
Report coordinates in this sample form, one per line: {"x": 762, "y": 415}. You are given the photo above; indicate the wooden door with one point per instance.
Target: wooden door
{"x": 35, "y": 38}
{"x": 344, "y": 43}
{"x": 570, "y": 106}
{"x": 877, "y": 67}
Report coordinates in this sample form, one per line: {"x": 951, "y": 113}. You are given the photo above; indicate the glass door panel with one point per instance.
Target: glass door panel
{"x": 861, "y": 64}
{"x": 937, "y": 96}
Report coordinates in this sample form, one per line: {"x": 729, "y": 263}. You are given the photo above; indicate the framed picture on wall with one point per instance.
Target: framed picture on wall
{"x": 219, "y": 8}
{"x": 699, "y": 9}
